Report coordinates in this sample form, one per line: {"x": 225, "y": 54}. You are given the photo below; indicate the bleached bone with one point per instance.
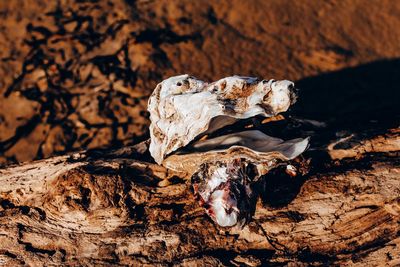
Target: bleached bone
{"x": 183, "y": 107}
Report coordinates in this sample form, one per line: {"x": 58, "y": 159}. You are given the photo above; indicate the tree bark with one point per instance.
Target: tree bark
{"x": 99, "y": 208}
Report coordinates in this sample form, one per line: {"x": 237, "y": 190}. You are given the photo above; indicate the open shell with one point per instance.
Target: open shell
{"x": 223, "y": 169}
{"x": 183, "y": 107}
{"x": 262, "y": 150}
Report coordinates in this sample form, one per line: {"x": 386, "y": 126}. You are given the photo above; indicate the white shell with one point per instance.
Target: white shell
{"x": 262, "y": 150}
{"x": 183, "y": 107}
{"x": 224, "y": 168}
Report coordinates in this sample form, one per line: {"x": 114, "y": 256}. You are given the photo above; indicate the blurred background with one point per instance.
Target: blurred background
{"x": 77, "y": 74}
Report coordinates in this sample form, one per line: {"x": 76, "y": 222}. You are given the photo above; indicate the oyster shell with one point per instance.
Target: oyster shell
{"x": 224, "y": 168}
{"x": 224, "y": 190}
{"x": 264, "y": 151}
{"x": 183, "y": 107}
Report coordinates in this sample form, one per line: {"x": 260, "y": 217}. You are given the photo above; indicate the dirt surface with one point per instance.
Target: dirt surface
{"x": 77, "y": 74}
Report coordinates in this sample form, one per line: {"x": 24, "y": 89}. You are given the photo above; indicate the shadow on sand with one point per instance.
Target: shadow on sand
{"x": 363, "y": 99}
{"x": 353, "y": 96}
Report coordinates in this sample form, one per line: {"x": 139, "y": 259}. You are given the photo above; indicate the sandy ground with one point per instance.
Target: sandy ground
{"x": 77, "y": 74}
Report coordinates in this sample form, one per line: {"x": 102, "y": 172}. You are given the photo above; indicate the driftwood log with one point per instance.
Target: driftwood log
{"x": 67, "y": 65}
{"x": 99, "y": 208}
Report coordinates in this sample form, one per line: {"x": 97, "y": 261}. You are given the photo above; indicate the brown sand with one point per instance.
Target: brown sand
{"x": 77, "y": 74}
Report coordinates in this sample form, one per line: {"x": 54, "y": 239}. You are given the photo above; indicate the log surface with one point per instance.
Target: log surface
{"x": 101, "y": 208}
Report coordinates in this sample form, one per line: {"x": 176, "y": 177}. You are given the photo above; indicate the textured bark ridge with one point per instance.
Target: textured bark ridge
{"x": 109, "y": 207}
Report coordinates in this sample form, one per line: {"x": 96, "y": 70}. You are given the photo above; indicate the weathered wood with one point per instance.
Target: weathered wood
{"x": 97, "y": 208}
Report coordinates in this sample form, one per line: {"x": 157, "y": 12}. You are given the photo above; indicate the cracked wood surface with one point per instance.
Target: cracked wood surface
{"x": 93, "y": 208}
